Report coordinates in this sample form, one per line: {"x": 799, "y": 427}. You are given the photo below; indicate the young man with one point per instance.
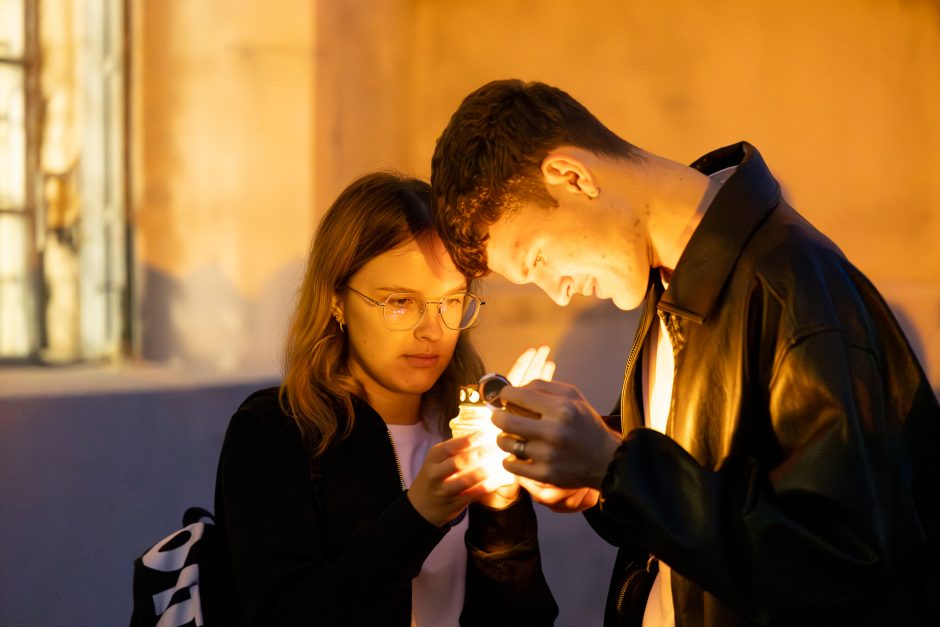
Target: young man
{"x": 773, "y": 458}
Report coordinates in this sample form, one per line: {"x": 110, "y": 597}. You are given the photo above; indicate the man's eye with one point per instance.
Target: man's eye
{"x": 538, "y": 260}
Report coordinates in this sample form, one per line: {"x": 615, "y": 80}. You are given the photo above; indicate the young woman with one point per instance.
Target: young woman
{"x": 341, "y": 496}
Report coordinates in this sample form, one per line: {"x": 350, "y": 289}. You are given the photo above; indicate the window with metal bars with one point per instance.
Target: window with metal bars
{"x": 63, "y": 234}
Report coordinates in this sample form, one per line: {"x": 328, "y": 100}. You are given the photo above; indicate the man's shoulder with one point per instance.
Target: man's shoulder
{"x": 816, "y": 286}
{"x": 787, "y": 250}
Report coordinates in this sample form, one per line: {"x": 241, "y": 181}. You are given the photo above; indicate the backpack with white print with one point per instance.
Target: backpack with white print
{"x": 181, "y": 581}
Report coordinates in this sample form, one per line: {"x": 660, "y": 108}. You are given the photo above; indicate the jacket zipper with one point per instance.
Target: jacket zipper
{"x": 631, "y": 579}
{"x": 401, "y": 477}
{"x": 641, "y": 333}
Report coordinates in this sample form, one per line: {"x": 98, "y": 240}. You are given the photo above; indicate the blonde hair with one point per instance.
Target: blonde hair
{"x": 377, "y": 213}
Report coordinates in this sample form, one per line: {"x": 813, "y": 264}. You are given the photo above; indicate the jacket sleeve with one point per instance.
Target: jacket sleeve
{"x": 812, "y": 530}
{"x": 271, "y": 522}
{"x": 505, "y": 584}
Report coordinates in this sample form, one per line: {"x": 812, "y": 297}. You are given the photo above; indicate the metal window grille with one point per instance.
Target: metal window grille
{"x": 63, "y": 234}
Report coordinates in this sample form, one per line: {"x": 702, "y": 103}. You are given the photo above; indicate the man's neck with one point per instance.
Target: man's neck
{"x": 677, "y": 197}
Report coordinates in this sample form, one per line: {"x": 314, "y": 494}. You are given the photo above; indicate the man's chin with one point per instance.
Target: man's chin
{"x": 625, "y": 303}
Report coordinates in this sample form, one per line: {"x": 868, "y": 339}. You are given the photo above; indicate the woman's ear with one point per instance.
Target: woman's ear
{"x": 336, "y": 309}
{"x": 569, "y": 172}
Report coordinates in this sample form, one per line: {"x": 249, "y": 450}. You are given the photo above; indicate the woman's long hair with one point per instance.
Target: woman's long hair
{"x": 377, "y": 213}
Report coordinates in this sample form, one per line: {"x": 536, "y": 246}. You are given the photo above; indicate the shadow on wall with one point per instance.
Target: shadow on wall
{"x": 594, "y": 352}
{"x": 202, "y": 321}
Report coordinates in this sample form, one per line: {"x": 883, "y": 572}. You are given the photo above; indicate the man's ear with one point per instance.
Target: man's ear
{"x": 570, "y": 173}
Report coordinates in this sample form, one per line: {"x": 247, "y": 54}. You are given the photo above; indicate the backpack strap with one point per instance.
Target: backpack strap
{"x": 195, "y": 514}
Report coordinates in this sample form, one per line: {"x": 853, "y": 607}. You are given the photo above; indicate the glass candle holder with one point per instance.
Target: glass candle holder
{"x": 474, "y": 417}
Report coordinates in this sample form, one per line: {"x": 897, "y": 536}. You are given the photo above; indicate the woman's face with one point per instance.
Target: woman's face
{"x": 400, "y": 362}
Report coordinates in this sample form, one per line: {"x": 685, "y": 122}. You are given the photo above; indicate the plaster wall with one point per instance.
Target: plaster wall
{"x": 248, "y": 120}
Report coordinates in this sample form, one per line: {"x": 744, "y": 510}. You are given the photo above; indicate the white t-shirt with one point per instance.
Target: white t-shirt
{"x": 437, "y": 593}
{"x": 658, "y": 369}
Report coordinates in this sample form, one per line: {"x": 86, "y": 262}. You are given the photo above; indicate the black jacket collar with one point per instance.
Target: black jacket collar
{"x": 740, "y": 205}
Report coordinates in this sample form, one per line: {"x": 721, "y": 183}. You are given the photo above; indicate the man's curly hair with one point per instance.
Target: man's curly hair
{"x": 487, "y": 161}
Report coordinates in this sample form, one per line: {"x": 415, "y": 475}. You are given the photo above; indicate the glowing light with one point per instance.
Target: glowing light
{"x": 475, "y": 419}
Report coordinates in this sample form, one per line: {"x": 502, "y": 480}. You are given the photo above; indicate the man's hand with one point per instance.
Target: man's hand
{"x": 533, "y": 363}
{"x": 561, "y": 500}
{"x": 569, "y": 447}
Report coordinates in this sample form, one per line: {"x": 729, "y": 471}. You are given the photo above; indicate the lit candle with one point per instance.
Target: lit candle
{"x": 474, "y": 417}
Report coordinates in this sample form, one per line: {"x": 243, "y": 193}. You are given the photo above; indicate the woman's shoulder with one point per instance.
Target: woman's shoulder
{"x": 261, "y": 415}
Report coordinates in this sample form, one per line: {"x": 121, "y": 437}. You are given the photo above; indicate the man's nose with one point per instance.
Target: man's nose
{"x": 559, "y": 290}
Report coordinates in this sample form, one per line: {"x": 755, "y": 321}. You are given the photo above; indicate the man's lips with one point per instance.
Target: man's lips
{"x": 589, "y": 287}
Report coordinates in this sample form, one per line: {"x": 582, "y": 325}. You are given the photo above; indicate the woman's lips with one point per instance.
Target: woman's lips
{"x": 423, "y": 360}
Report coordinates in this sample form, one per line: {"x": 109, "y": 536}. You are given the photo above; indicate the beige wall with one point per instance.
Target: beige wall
{"x": 252, "y": 119}
{"x": 223, "y": 104}
{"x": 842, "y": 98}
{"x": 250, "y": 116}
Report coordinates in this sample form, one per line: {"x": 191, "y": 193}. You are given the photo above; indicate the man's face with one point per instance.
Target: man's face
{"x": 567, "y": 250}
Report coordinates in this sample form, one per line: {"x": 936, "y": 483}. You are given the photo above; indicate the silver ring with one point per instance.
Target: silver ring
{"x": 518, "y": 449}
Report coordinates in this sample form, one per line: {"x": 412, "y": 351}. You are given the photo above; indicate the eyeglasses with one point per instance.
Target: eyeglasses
{"x": 403, "y": 311}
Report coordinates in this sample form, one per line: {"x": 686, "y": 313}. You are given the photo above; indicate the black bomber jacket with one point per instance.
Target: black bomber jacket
{"x": 341, "y": 546}
{"x": 800, "y": 480}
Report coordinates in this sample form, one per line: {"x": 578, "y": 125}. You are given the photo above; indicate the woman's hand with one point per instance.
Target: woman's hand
{"x": 448, "y": 480}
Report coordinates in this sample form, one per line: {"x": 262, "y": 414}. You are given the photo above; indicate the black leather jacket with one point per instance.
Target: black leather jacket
{"x": 800, "y": 482}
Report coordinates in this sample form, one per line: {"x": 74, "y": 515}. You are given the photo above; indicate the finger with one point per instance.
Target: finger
{"x": 518, "y": 370}
{"x": 553, "y": 388}
{"x": 579, "y": 501}
{"x": 548, "y": 371}
{"x": 545, "y": 493}
{"x": 475, "y": 491}
{"x": 448, "y": 448}
{"x": 507, "y": 441}
{"x": 585, "y": 498}
{"x": 534, "y": 486}
{"x": 530, "y": 469}
{"x": 520, "y": 426}
{"x": 461, "y": 481}
{"x": 470, "y": 458}
{"x": 545, "y": 398}
{"x": 534, "y": 371}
